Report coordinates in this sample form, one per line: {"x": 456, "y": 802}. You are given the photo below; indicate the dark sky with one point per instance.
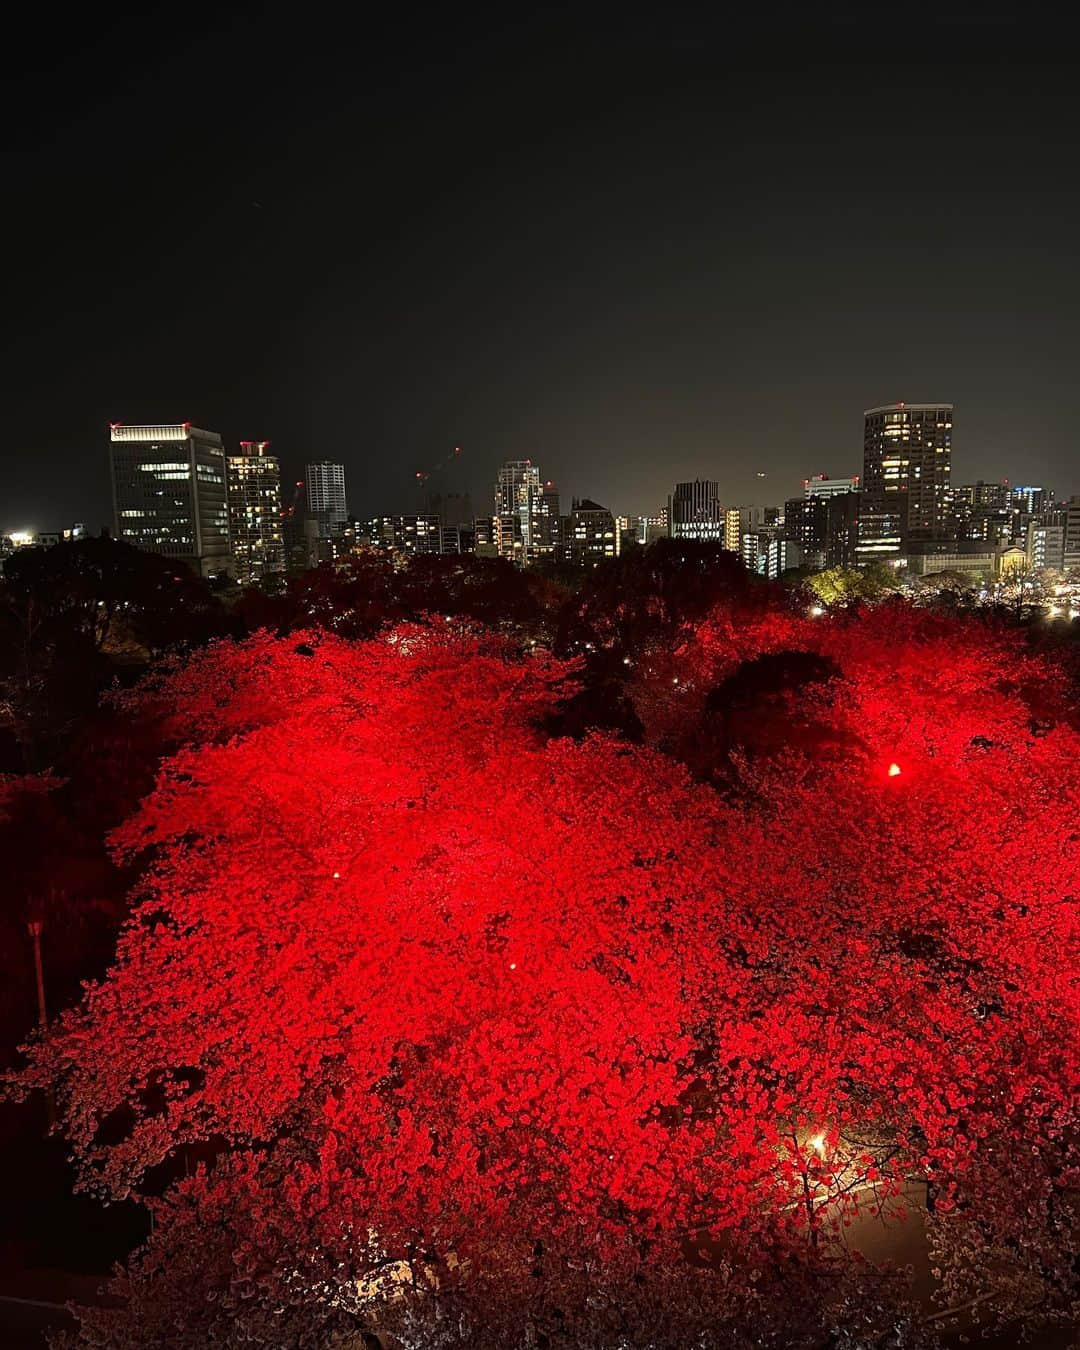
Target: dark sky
{"x": 634, "y": 245}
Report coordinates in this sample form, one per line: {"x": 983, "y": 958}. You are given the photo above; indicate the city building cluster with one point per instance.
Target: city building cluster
{"x": 177, "y": 491}
{"x": 903, "y": 510}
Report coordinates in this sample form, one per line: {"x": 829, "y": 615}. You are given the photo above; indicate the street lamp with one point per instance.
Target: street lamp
{"x": 35, "y": 926}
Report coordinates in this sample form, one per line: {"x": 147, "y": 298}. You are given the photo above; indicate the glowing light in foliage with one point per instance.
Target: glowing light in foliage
{"x": 894, "y": 770}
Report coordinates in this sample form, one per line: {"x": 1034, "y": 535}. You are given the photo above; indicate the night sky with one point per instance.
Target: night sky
{"x": 634, "y": 246}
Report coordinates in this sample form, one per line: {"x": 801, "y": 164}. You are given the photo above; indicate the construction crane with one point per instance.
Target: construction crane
{"x": 423, "y": 476}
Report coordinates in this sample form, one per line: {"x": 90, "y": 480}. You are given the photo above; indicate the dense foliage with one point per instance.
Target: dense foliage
{"x": 432, "y": 1020}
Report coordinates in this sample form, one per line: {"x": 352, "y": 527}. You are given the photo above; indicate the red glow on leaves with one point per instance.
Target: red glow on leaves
{"x": 743, "y": 1014}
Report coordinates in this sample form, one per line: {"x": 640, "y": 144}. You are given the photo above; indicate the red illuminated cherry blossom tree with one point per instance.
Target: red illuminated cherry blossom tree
{"x": 427, "y": 1024}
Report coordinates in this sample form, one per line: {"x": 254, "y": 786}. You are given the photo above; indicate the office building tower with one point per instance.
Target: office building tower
{"x": 524, "y": 526}
{"x": 806, "y": 524}
{"x": 254, "y": 479}
{"x": 695, "y": 512}
{"x": 325, "y": 483}
{"x": 824, "y": 521}
{"x": 824, "y": 527}
{"x": 170, "y": 493}
{"x": 907, "y": 451}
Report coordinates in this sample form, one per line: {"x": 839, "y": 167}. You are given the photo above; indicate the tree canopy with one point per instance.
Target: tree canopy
{"x": 428, "y": 1022}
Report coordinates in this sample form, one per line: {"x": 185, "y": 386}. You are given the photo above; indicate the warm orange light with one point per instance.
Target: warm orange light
{"x": 894, "y": 770}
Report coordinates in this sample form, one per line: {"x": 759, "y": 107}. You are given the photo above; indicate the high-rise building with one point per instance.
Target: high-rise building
{"x": 759, "y": 528}
{"x": 550, "y": 521}
{"x": 824, "y": 521}
{"x": 524, "y": 525}
{"x": 775, "y": 556}
{"x": 984, "y": 512}
{"x": 593, "y": 534}
{"x": 1031, "y": 499}
{"x": 806, "y": 523}
{"x": 254, "y": 479}
{"x": 842, "y": 528}
{"x": 170, "y": 493}
{"x": 983, "y": 496}
{"x": 1072, "y": 534}
{"x": 907, "y": 452}
{"x": 733, "y": 530}
{"x": 326, "y": 495}
{"x": 695, "y": 512}
{"x": 404, "y": 534}
{"x": 1045, "y": 546}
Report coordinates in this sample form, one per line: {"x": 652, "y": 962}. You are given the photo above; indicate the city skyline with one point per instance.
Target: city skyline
{"x": 471, "y": 474}
{"x": 177, "y": 492}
